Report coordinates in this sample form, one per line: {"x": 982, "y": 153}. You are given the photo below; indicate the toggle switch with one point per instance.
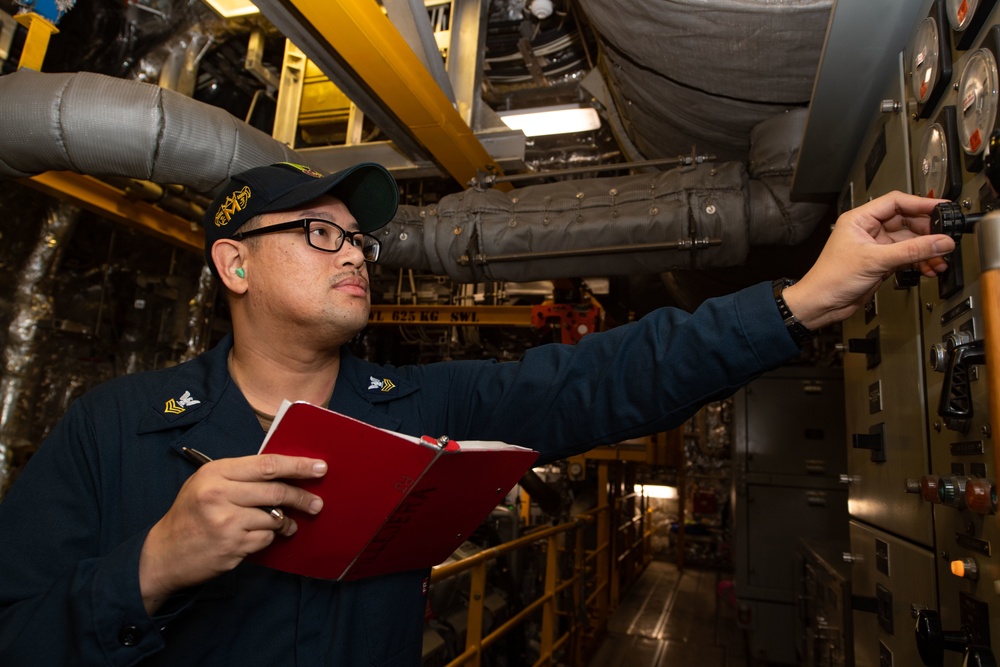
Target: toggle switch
{"x": 874, "y": 440}
{"x": 981, "y": 496}
{"x": 868, "y": 346}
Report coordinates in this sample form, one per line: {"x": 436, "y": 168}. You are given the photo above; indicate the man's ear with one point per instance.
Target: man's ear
{"x": 228, "y": 256}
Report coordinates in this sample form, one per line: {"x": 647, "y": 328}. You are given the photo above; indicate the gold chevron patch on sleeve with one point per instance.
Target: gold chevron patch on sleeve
{"x": 387, "y": 385}
{"x": 173, "y": 408}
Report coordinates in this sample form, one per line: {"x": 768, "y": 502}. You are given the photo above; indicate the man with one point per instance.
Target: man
{"x": 117, "y": 550}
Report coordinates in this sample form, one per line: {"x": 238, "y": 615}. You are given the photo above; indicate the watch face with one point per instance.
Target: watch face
{"x": 977, "y": 99}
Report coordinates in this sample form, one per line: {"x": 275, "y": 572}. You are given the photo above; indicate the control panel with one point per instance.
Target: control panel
{"x": 921, "y": 476}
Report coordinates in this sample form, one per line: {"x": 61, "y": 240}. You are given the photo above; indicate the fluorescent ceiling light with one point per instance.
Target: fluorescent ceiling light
{"x": 561, "y": 119}
{"x": 232, "y": 8}
{"x": 656, "y": 491}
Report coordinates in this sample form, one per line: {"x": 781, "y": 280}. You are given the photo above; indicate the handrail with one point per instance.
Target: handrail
{"x": 592, "y": 579}
{"x": 441, "y": 572}
{"x": 475, "y": 642}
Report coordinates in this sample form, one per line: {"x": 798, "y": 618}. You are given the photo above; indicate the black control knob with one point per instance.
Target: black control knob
{"x": 955, "y": 403}
{"x": 947, "y": 218}
{"x": 932, "y": 641}
{"x": 906, "y": 278}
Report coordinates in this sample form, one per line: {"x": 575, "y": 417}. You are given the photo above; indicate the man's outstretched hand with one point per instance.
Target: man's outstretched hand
{"x": 868, "y": 244}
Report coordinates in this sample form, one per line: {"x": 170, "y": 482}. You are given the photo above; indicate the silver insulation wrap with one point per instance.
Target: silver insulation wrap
{"x": 606, "y": 226}
{"x": 103, "y": 126}
{"x": 32, "y": 308}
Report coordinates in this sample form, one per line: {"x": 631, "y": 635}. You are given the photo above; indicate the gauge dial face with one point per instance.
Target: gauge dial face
{"x": 925, "y": 68}
{"x": 960, "y": 13}
{"x": 977, "y": 100}
{"x": 932, "y": 168}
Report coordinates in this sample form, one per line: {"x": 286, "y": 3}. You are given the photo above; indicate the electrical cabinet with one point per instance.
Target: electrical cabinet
{"x": 891, "y": 580}
{"x": 788, "y": 430}
{"x": 824, "y": 626}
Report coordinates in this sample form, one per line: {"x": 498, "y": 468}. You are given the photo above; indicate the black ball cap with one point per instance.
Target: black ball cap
{"x": 368, "y": 190}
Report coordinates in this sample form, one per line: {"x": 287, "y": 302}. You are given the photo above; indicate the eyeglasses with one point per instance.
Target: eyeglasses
{"x": 323, "y": 235}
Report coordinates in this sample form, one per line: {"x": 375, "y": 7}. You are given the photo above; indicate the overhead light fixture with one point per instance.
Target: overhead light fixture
{"x": 230, "y": 9}
{"x": 559, "y": 119}
{"x": 656, "y": 491}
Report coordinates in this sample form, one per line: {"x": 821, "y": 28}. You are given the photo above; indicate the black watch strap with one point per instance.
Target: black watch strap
{"x": 798, "y": 331}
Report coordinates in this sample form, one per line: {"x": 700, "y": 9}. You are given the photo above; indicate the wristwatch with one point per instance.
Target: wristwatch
{"x": 798, "y": 331}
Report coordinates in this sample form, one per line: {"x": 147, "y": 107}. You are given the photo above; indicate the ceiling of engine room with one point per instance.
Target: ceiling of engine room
{"x": 669, "y": 78}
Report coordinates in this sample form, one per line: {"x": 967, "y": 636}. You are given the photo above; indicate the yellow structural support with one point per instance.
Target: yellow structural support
{"x": 36, "y": 43}
{"x": 110, "y": 203}
{"x": 362, "y": 35}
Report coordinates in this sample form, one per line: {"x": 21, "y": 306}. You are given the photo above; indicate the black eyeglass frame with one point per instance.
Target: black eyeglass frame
{"x": 305, "y": 223}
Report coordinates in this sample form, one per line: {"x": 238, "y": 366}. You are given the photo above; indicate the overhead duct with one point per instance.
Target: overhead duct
{"x": 699, "y": 216}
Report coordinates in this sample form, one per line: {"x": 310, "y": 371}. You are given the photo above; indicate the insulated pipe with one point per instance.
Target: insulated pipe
{"x": 988, "y": 233}
{"x": 705, "y": 215}
{"x": 592, "y": 227}
{"x": 104, "y": 126}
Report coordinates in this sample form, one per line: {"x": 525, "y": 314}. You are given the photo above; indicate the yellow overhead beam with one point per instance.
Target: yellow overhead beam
{"x": 372, "y": 47}
{"x": 108, "y": 202}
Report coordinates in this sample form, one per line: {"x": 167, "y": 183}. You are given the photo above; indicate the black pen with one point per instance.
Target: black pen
{"x": 200, "y": 459}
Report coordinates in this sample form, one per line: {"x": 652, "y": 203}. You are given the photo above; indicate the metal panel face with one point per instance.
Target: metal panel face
{"x": 883, "y": 163}
{"x": 770, "y": 624}
{"x": 961, "y": 454}
{"x": 794, "y": 424}
{"x": 961, "y": 447}
{"x": 888, "y": 397}
{"x": 889, "y": 579}
{"x": 777, "y": 518}
{"x": 884, "y": 390}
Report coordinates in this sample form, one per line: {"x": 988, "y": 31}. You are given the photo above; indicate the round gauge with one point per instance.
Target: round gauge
{"x": 977, "y": 101}
{"x": 960, "y": 13}
{"x": 932, "y": 168}
{"x": 925, "y": 69}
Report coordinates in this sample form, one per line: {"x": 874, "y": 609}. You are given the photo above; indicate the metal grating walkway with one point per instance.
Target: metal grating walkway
{"x": 673, "y": 619}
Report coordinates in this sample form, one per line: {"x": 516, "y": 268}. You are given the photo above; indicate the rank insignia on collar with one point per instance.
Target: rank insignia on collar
{"x": 179, "y": 405}
{"x": 384, "y": 385}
